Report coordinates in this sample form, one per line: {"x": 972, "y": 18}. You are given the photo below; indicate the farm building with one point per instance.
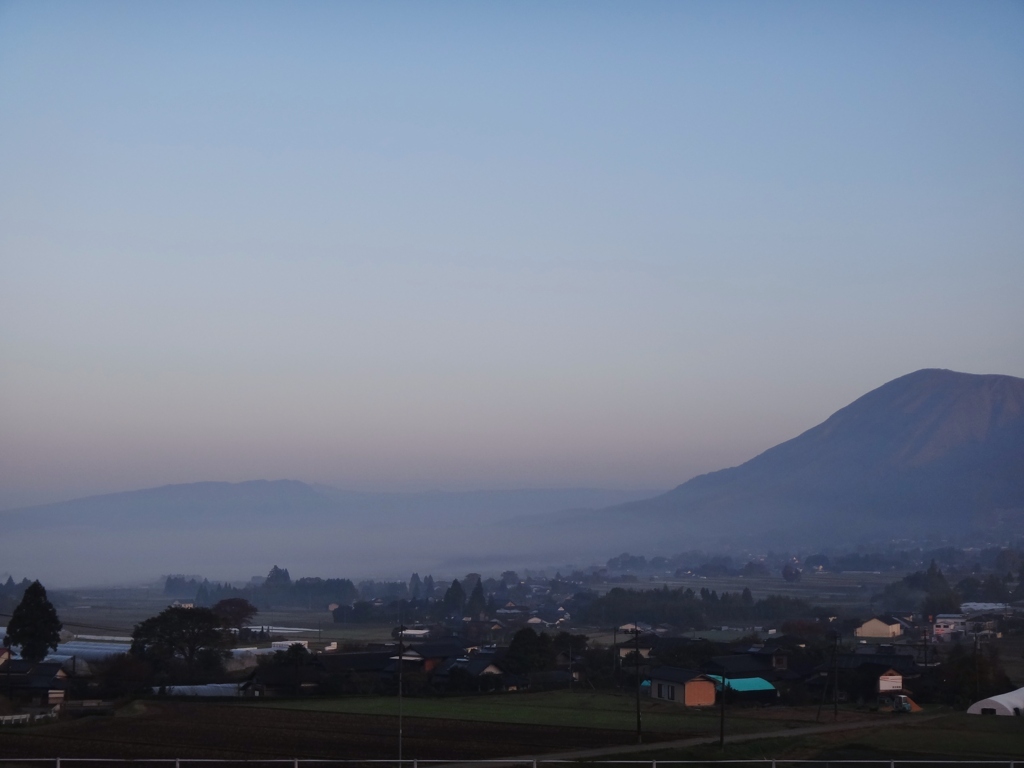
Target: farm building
{"x": 690, "y": 688}
{"x": 34, "y": 684}
{"x": 1011, "y": 703}
{"x": 880, "y": 626}
{"x": 748, "y": 689}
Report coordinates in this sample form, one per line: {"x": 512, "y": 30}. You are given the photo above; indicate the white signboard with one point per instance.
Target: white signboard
{"x": 890, "y": 683}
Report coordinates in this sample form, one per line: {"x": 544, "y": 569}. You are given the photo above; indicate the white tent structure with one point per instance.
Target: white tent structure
{"x": 1011, "y": 704}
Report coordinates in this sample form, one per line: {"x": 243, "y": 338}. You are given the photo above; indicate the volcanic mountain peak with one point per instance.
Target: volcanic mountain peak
{"x": 923, "y": 416}
{"x": 931, "y": 450}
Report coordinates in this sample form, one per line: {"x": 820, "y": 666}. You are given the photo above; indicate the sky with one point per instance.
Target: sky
{"x": 412, "y": 246}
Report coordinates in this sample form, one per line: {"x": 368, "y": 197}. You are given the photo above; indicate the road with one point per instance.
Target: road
{"x": 659, "y": 746}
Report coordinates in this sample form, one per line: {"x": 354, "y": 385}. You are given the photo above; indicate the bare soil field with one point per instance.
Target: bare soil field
{"x": 210, "y": 730}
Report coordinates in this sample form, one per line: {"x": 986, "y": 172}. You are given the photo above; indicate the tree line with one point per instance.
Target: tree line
{"x": 686, "y": 608}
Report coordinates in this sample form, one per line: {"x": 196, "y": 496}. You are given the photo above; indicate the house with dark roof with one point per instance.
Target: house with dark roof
{"x": 859, "y": 673}
{"x": 478, "y": 672}
{"x": 736, "y": 666}
{"x": 433, "y": 654}
{"x": 33, "y": 684}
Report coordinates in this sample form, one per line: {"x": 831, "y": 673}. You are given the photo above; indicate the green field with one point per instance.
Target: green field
{"x": 586, "y": 709}
{"x": 948, "y": 735}
{"x": 953, "y": 736}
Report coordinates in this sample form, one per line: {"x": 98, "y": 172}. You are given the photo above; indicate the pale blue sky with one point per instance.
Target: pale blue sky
{"x": 470, "y": 245}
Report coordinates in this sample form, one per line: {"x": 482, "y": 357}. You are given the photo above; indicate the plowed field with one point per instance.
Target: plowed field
{"x": 209, "y": 730}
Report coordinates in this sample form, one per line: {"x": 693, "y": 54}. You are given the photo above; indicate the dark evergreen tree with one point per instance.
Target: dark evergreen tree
{"x": 415, "y": 587}
{"x": 455, "y": 599}
{"x": 477, "y": 602}
{"x": 34, "y": 625}
{"x": 529, "y": 652}
{"x": 278, "y": 577}
{"x": 203, "y": 594}
{"x": 429, "y": 591}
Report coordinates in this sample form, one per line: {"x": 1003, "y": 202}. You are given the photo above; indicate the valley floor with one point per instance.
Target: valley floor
{"x": 488, "y": 727}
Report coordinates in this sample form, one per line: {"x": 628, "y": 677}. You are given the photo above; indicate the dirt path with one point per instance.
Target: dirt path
{"x": 659, "y": 746}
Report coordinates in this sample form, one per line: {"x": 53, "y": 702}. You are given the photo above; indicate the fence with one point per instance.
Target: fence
{"x": 90, "y": 762}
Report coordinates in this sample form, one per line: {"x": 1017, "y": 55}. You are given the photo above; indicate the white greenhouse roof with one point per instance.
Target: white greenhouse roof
{"x": 1011, "y": 703}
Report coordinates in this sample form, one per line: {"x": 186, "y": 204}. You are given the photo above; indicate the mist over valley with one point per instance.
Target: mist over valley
{"x": 934, "y": 455}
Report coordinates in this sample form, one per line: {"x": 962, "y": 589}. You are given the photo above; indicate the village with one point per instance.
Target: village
{"x": 510, "y": 635}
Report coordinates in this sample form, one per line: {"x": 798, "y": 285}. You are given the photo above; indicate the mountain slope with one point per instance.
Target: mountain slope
{"x": 931, "y": 449}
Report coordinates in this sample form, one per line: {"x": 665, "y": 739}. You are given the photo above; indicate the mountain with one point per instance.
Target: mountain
{"x": 933, "y": 452}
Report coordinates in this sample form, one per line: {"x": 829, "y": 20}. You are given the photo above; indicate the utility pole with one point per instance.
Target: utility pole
{"x": 721, "y": 714}
{"x": 401, "y": 654}
{"x": 977, "y": 673}
{"x": 835, "y": 673}
{"x": 636, "y": 635}
{"x": 615, "y": 658}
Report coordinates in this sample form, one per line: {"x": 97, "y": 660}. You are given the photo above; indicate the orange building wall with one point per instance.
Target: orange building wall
{"x": 699, "y": 693}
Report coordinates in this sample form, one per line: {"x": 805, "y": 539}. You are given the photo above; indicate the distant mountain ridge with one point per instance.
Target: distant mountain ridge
{"x": 933, "y": 453}
{"x": 934, "y": 448}
{"x": 291, "y": 502}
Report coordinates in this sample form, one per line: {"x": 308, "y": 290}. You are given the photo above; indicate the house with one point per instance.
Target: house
{"x": 985, "y": 625}
{"x": 479, "y": 672}
{"x": 685, "y": 686}
{"x": 644, "y": 643}
{"x": 949, "y": 626}
{"x": 880, "y": 626}
{"x": 739, "y": 666}
{"x": 861, "y": 672}
{"x": 360, "y": 672}
{"x": 433, "y": 654}
{"x": 280, "y": 680}
{"x": 777, "y": 658}
{"x": 484, "y": 631}
{"x": 41, "y": 684}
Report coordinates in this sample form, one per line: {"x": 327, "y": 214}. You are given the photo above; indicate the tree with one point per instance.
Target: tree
{"x": 455, "y": 599}
{"x": 415, "y": 586}
{"x": 278, "y": 577}
{"x": 477, "y": 602}
{"x": 34, "y": 625}
{"x": 529, "y": 652}
{"x": 179, "y": 633}
{"x": 428, "y": 588}
{"x": 234, "y": 612}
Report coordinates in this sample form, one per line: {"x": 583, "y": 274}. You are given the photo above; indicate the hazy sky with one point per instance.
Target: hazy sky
{"x": 482, "y": 245}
